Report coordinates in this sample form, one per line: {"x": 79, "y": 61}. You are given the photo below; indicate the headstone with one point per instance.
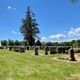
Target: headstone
{"x": 63, "y": 49}
{"x": 46, "y": 50}
{"x": 21, "y": 49}
{"x": 59, "y": 49}
{"x": 27, "y": 47}
{"x": 71, "y": 55}
{"x": 10, "y": 48}
{"x": 52, "y": 50}
{"x": 36, "y": 51}
{"x": 68, "y": 47}
{"x": 4, "y": 47}
{"x": 16, "y": 48}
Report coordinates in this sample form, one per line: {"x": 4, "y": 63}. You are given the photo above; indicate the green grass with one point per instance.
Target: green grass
{"x": 26, "y": 66}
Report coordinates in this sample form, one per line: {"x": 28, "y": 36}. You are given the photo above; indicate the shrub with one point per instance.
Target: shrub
{"x": 1, "y": 47}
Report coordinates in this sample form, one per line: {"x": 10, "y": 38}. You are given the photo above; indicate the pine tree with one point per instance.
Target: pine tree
{"x": 29, "y": 27}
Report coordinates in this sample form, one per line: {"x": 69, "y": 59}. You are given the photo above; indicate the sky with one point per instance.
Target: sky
{"x": 59, "y": 20}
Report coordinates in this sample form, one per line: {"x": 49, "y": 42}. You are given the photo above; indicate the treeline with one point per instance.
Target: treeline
{"x": 69, "y": 43}
{"x": 10, "y": 42}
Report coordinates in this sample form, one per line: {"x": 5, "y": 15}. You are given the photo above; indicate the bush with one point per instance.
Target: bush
{"x": 1, "y": 47}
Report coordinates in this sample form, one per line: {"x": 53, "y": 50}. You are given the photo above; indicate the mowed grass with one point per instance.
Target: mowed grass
{"x": 27, "y": 66}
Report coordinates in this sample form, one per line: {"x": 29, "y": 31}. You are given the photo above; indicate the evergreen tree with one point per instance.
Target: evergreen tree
{"x": 29, "y": 27}
{"x": 38, "y": 43}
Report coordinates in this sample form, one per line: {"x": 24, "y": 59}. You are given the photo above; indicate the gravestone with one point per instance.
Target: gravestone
{"x": 59, "y": 49}
{"x": 63, "y": 49}
{"x": 52, "y": 50}
{"x": 46, "y": 50}
{"x": 27, "y": 47}
{"x": 71, "y": 55}
{"x": 10, "y": 48}
{"x": 16, "y": 48}
{"x": 36, "y": 51}
{"x": 68, "y": 47}
{"x": 4, "y": 47}
{"x": 21, "y": 49}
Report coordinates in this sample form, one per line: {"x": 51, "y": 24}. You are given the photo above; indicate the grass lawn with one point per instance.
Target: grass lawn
{"x": 26, "y": 66}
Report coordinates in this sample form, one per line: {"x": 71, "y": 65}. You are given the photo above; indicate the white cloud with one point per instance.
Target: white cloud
{"x": 71, "y": 33}
{"x": 43, "y": 38}
{"x": 9, "y": 7}
{"x": 58, "y": 36}
{"x": 77, "y": 31}
{"x": 72, "y": 29}
{"x": 74, "y": 32}
{"x": 14, "y": 32}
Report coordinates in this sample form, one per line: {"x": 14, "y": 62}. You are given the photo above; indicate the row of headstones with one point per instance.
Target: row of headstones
{"x": 52, "y": 50}
{"x": 39, "y": 47}
{"x": 46, "y": 49}
{"x": 59, "y": 49}
{"x": 17, "y": 49}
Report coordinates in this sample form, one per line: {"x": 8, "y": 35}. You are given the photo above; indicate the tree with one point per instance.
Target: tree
{"x": 23, "y": 43}
{"x": 4, "y": 42}
{"x": 17, "y": 43}
{"x": 29, "y": 27}
{"x": 49, "y": 44}
{"x": 10, "y": 42}
{"x": 38, "y": 43}
{"x": 78, "y": 41}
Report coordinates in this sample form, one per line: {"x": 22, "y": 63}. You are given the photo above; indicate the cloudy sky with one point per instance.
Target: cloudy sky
{"x": 59, "y": 20}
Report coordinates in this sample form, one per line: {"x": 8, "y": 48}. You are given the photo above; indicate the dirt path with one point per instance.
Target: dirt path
{"x": 77, "y": 58}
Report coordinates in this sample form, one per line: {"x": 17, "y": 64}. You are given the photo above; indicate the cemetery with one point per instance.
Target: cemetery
{"x": 39, "y": 63}
{"x": 34, "y": 58}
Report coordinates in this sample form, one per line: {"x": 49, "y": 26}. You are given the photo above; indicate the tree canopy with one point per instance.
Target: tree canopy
{"x": 29, "y": 27}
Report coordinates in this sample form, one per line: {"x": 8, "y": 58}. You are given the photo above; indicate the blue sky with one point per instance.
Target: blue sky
{"x": 59, "y": 20}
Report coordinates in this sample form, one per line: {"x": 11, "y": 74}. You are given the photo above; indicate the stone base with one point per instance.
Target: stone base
{"x": 71, "y": 59}
{"x": 45, "y": 53}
